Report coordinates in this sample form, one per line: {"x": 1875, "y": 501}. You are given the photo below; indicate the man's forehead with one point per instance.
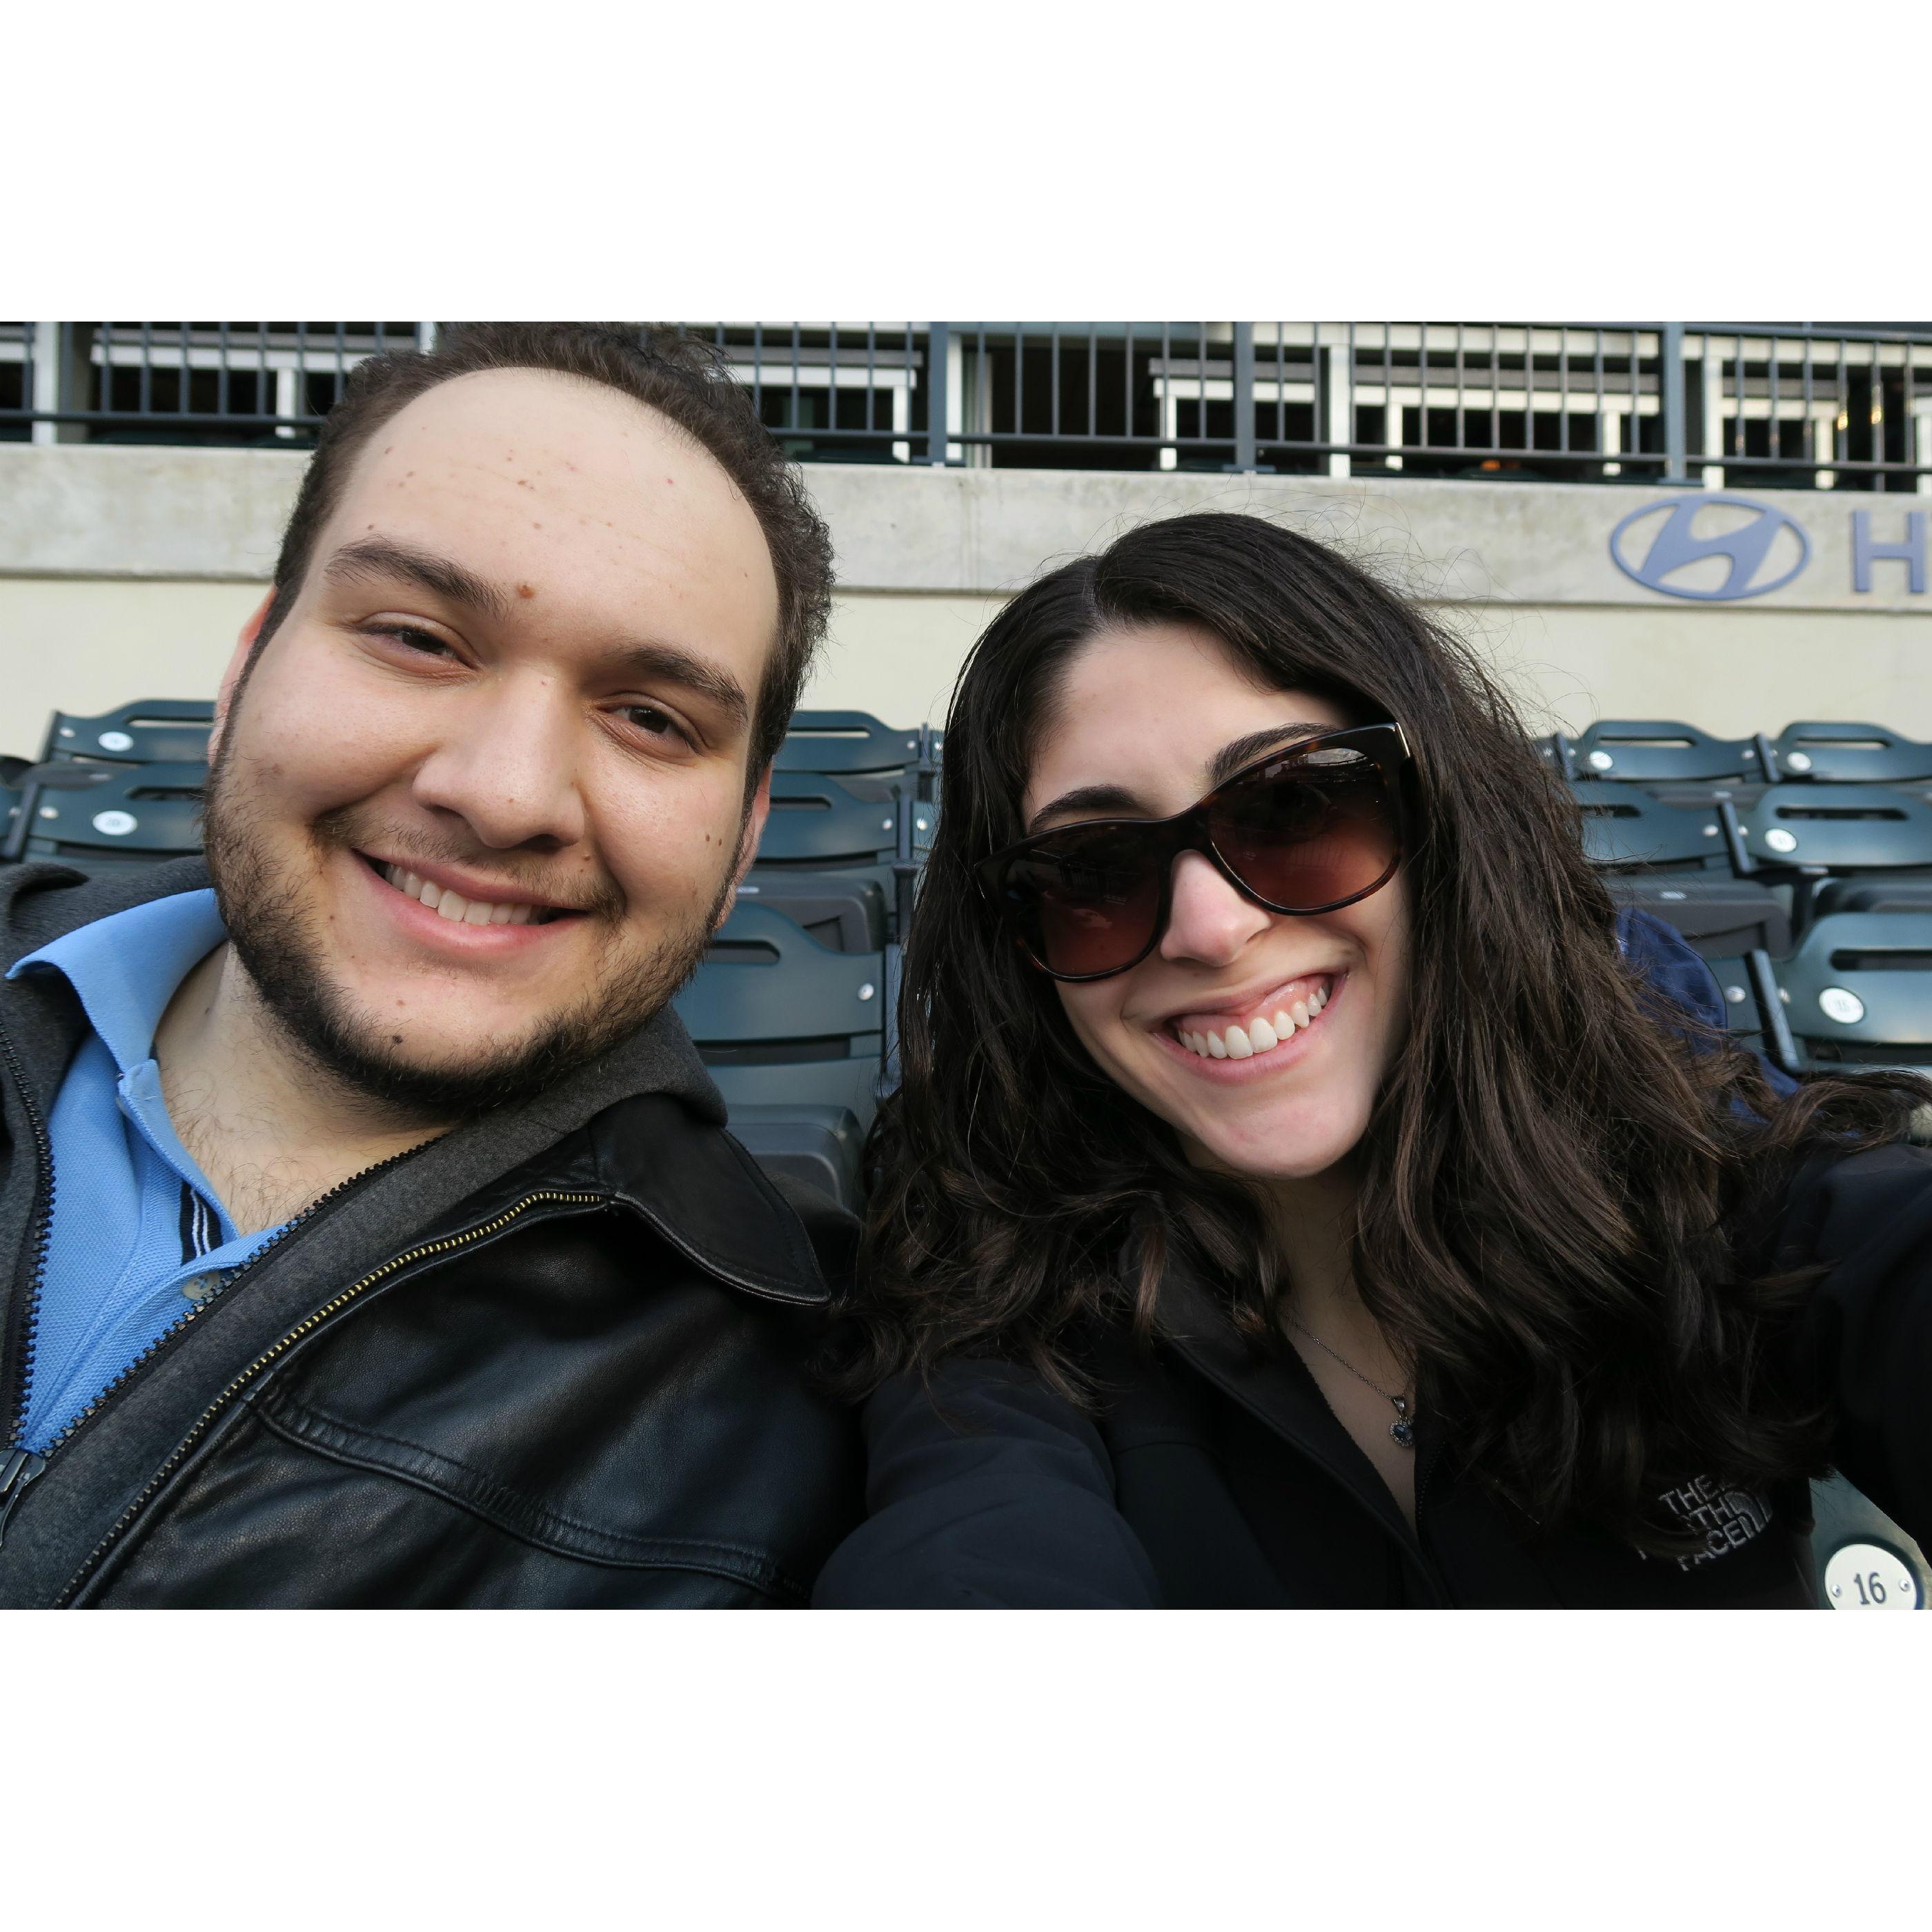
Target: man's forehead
{"x": 564, "y": 484}
{"x": 539, "y": 422}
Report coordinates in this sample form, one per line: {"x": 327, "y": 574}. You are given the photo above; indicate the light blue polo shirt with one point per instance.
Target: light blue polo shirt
{"x": 138, "y": 1239}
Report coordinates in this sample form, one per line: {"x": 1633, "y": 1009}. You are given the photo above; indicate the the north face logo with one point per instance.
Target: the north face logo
{"x": 1728, "y": 1518}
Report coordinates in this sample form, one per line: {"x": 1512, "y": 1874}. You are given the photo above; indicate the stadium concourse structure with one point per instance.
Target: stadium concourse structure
{"x": 1725, "y": 522}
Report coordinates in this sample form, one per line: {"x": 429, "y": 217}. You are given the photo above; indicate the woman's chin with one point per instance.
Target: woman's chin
{"x": 1273, "y": 1149}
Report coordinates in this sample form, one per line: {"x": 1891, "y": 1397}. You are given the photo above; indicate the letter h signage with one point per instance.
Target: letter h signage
{"x": 1911, "y": 553}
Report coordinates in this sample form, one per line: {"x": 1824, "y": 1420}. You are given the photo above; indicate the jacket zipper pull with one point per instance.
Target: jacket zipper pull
{"x": 18, "y": 1468}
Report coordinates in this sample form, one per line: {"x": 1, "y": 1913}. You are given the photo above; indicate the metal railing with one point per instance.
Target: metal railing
{"x": 183, "y": 382}
{"x": 1789, "y": 405}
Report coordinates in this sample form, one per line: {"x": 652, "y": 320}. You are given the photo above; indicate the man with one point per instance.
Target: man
{"x": 370, "y": 1232}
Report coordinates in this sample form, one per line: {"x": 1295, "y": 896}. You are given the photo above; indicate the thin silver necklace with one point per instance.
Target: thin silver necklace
{"x": 1402, "y": 1429}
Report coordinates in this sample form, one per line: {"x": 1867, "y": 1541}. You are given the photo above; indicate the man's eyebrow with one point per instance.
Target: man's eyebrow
{"x": 1096, "y": 801}
{"x": 373, "y": 557}
{"x": 678, "y": 666}
{"x": 376, "y": 557}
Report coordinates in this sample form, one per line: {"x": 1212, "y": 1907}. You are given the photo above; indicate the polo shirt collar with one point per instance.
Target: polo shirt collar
{"x": 125, "y": 968}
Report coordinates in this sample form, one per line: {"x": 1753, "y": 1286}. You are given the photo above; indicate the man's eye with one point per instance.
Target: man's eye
{"x": 412, "y": 640}
{"x": 653, "y": 721}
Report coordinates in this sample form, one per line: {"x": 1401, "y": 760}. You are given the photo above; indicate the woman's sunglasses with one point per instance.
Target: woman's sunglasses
{"x": 1311, "y": 827}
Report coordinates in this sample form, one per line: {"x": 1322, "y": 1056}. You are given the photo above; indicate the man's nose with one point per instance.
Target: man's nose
{"x": 508, "y": 766}
{"x": 1208, "y": 922}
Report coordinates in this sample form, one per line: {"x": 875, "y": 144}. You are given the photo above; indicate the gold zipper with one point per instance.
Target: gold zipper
{"x": 185, "y": 1447}
{"x": 268, "y": 1247}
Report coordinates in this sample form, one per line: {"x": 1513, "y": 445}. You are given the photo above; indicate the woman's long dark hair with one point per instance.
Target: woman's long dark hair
{"x": 1559, "y": 1190}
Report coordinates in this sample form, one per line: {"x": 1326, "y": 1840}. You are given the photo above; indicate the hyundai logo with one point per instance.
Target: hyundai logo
{"x": 1763, "y": 543}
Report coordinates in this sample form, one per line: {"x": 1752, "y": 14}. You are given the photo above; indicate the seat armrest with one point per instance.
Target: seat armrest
{"x": 1778, "y": 1034}
{"x": 1742, "y": 863}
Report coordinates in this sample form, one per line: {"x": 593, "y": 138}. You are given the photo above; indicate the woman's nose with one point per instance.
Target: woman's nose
{"x": 1208, "y": 921}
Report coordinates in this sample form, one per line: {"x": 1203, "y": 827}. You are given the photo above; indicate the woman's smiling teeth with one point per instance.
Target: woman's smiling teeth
{"x": 452, "y": 905}
{"x": 1266, "y": 1030}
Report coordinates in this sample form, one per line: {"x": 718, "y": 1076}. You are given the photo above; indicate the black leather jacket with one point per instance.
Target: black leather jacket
{"x": 553, "y": 1358}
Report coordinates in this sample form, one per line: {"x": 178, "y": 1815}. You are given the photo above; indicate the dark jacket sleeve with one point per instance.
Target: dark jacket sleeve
{"x": 1865, "y": 1345}
{"x": 998, "y": 1496}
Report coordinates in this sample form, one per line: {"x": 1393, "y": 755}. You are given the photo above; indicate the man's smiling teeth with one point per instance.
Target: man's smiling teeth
{"x": 1236, "y": 1042}
{"x": 452, "y": 905}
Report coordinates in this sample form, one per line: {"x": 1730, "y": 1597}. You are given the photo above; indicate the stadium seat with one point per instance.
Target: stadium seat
{"x": 821, "y": 825}
{"x": 1841, "y": 754}
{"x": 1743, "y": 1007}
{"x": 11, "y": 772}
{"x": 1877, "y": 892}
{"x": 1640, "y": 751}
{"x": 764, "y": 980}
{"x": 847, "y": 911}
{"x": 1722, "y": 918}
{"x": 1863, "y": 1560}
{"x": 820, "y": 1146}
{"x": 780, "y": 1020}
{"x": 99, "y": 817}
{"x": 1813, "y": 835}
{"x": 845, "y": 743}
{"x": 800, "y": 1090}
{"x": 1694, "y": 795}
{"x": 1625, "y": 829}
{"x": 1725, "y": 920}
{"x": 156, "y": 730}
{"x": 1558, "y": 753}
{"x": 1857, "y": 991}
{"x": 818, "y": 822}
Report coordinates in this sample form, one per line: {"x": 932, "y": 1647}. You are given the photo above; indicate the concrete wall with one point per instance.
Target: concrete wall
{"x": 126, "y": 572}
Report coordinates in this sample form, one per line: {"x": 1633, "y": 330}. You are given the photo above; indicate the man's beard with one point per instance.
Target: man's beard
{"x": 274, "y": 936}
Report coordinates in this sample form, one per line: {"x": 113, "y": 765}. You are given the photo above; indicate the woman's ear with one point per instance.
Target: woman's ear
{"x": 237, "y": 662}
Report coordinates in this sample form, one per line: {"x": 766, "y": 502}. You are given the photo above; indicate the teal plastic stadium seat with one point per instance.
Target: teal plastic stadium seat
{"x": 764, "y": 980}
{"x": 1740, "y": 1010}
{"x": 154, "y": 730}
{"x": 818, "y": 1145}
{"x": 1835, "y": 828}
{"x": 1721, "y": 916}
{"x": 1827, "y": 753}
{"x": 1649, "y": 751}
{"x": 782, "y": 1020}
{"x": 92, "y": 816}
{"x": 1862, "y": 1559}
{"x": 841, "y": 742}
{"x": 847, "y": 911}
{"x": 816, "y": 821}
{"x": 1624, "y": 830}
{"x": 1857, "y": 990}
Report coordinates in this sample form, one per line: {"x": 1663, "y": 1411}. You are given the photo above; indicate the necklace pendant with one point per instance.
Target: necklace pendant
{"x": 1402, "y": 1429}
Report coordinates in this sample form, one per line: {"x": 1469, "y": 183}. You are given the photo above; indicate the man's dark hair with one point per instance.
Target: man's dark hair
{"x": 682, "y": 379}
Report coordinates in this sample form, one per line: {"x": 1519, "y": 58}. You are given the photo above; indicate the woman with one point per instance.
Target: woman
{"x": 1293, "y": 1197}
